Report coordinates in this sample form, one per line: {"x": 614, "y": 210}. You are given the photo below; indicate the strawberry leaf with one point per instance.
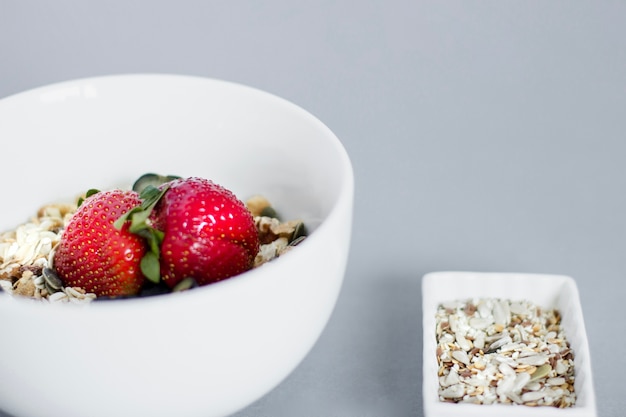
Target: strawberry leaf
{"x": 139, "y": 215}
{"x": 150, "y": 196}
{"x": 91, "y": 192}
{"x": 150, "y": 267}
{"x": 140, "y": 225}
{"x": 139, "y": 220}
{"x": 88, "y": 194}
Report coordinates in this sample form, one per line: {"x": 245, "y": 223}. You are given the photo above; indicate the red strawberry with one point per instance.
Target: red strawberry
{"x": 95, "y": 255}
{"x": 208, "y": 234}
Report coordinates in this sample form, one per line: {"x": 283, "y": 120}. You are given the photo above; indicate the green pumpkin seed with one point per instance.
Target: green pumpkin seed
{"x": 297, "y": 241}
{"x": 299, "y": 231}
{"x": 185, "y": 284}
{"x": 269, "y": 211}
{"x": 152, "y": 179}
{"x": 51, "y": 280}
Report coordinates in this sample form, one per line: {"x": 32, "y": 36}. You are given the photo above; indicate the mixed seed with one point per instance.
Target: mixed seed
{"x": 492, "y": 350}
{"x": 26, "y": 253}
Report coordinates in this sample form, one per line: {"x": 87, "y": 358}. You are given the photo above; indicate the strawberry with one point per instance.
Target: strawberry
{"x": 207, "y": 233}
{"x": 168, "y": 229}
{"x": 96, "y": 255}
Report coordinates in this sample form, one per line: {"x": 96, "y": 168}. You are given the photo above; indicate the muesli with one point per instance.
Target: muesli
{"x": 26, "y": 252}
{"x": 492, "y": 350}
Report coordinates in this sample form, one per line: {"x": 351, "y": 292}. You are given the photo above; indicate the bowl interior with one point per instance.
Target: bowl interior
{"x": 105, "y": 132}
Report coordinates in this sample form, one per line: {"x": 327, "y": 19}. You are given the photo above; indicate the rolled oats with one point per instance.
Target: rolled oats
{"x": 26, "y": 255}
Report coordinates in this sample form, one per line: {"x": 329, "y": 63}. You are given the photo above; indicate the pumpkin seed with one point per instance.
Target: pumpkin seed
{"x": 185, "y": 284}
{"x": 52, "y": 280}
{"x": 269, "y": 211}
{"x": 152, "y": 179}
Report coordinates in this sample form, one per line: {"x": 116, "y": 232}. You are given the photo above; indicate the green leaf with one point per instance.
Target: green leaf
{"x": 91, "y": 192}
{"x": 139, "y": 215}
{"x": 138, "y": 220}
{"x": 122, "y": 219}
{"x": 149, "y": 196}
{"x": 140, "y": 225}
{"x": 155, "y": 240}
{"x": 88, "y": 194}
{"x": 150, "y": 267}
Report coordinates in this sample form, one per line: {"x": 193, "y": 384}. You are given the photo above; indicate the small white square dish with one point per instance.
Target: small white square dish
{"x": 547, "y": 292}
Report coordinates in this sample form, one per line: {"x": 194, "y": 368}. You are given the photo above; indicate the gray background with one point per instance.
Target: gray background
{"x": 485, "y": 136}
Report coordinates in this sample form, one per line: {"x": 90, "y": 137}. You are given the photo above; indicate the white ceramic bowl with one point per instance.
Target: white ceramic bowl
{"x": 206, "y": 352}
{"x": 546, "y": 291}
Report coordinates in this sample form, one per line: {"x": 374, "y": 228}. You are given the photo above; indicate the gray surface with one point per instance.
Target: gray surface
{"x": 484, "y": 136}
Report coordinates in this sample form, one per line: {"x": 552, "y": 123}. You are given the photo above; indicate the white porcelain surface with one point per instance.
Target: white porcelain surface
{"x": 207, "y": 352}
{"x": 548, "y": 291}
